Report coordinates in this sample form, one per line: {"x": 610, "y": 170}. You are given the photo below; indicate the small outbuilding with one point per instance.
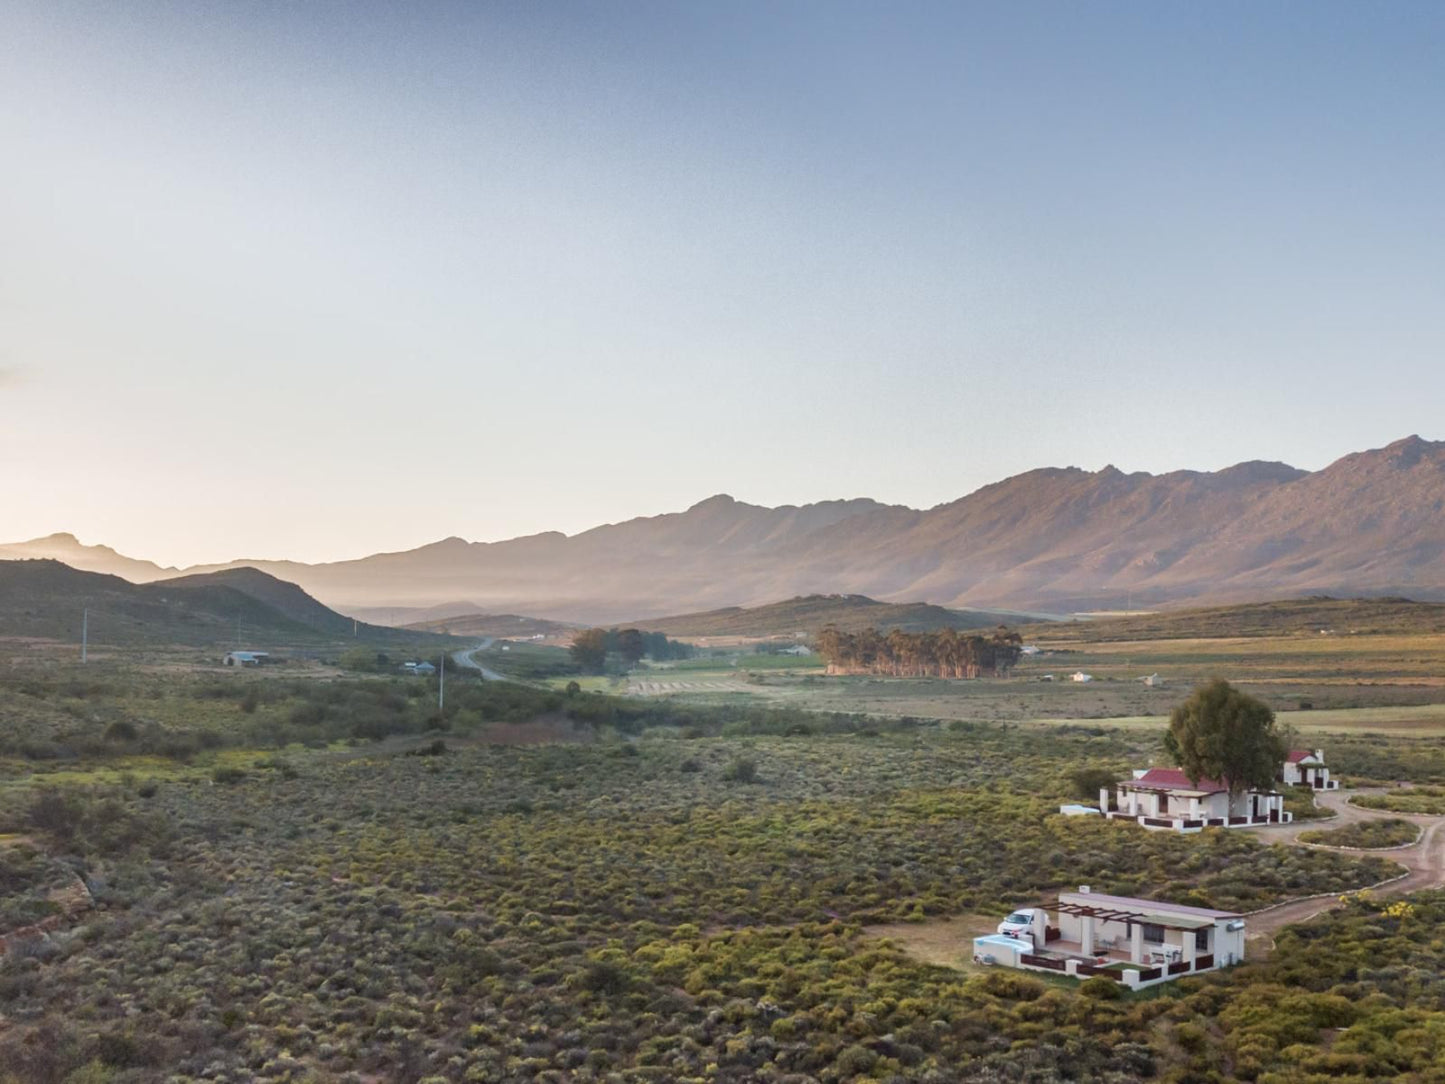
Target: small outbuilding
{"x": 1306, "y": 768}
{"x": 245, "y": 658}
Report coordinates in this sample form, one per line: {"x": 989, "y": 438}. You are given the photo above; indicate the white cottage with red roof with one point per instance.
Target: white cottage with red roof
{"x": 1168, "y": 798}
{"x": 1306, "y": 768}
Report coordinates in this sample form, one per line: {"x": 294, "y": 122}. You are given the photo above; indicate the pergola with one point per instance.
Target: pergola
{"x": 1134, "y": 921}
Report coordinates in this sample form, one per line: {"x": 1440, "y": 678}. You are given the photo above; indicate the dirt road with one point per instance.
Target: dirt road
{"x": 465, "y": 660}
{"x": 1425, "y": 861}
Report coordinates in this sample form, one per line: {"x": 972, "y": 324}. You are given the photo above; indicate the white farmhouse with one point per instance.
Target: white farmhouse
{"x": 1082, "y": 677}
{"x": 1136, "y": 942}
{"x": 1168, "y": 798}
{"x": 1306, "y": 768}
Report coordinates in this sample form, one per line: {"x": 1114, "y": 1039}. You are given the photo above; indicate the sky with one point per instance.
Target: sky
{"x": 319, "y": 280}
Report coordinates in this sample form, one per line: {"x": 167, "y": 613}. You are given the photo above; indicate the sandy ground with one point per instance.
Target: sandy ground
{"x": 946, "y": 942}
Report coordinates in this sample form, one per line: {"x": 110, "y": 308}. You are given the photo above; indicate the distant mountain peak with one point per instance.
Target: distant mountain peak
{"x": 1405, "y": 453}
{"x": 717, "y": 500}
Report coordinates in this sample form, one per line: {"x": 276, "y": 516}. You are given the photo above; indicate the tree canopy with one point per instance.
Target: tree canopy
{"x": 946, "y": 653}
{"x": 590, "y": 648}
{"x": 1224, "y": 734}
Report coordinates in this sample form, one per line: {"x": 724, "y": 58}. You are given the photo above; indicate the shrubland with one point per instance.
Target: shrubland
{"x": 679, "y": 893}
{"x": 1427, "y": 800}
{"x": 1366, "y": 835}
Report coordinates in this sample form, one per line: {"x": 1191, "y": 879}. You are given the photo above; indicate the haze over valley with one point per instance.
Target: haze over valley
{"x": 1051, "y": 540}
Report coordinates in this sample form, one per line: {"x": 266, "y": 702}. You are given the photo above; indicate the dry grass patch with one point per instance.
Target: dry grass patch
{"x": 943, "y": 942}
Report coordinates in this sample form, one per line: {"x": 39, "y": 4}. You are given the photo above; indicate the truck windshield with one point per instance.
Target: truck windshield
{"x": 1022, "y": 918}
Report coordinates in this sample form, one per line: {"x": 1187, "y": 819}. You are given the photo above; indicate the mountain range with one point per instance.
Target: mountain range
{"x": 1050, "y": 540}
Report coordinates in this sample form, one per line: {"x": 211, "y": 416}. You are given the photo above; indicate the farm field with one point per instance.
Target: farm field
{"x": 1363, "y": 684}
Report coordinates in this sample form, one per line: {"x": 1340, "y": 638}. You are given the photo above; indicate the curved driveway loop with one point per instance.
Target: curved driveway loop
{"x": 1425, "y": 861}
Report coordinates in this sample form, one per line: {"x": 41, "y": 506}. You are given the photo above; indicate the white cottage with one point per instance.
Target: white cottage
{"x": 1136, "y": 942}
{"x": 1306, "y": 768}
{"x": 1168, "y": 798}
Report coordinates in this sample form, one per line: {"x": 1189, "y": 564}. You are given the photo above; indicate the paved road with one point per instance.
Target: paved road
{"x": 1425, "y": 862}
{"x": 465, "y": 660}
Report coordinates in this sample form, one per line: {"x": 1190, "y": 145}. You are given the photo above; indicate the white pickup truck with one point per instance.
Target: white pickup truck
{"x": 1027, "y": 924}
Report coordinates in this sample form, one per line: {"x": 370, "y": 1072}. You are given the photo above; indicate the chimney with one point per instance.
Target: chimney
{"x": 1319, "y": 754}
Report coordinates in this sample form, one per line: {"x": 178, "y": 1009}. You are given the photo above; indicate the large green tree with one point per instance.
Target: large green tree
{"x": 1224, "y": 734}
{"x": 589, "y": 650}
{"x": 631, "y": 646}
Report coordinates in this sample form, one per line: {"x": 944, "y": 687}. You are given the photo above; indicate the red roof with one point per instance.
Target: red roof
{"x": 1174, "y": 779}
{"x": 1297, "y": 755}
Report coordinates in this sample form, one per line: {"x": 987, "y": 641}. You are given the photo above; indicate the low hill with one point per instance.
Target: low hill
{"x": 809, "y": 613}
{"x": 496, "y": 626}
{"x": 46, "y": 599}
{"x": 1288, "y": 617}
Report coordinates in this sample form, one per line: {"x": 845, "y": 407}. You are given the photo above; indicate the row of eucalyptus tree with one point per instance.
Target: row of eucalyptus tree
{"x": 945, "y": 653}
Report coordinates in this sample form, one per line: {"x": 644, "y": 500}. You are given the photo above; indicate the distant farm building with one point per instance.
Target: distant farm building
{"x": 797, "y": 649}
{"x": 1153, "y": 681}
{"x": 1306, "y": 768}
{"x": 421, "y": 669}
{"x": 1168, "y": 798}
{"x": 1082, "y": 677}
{"x": 245, "y": 658}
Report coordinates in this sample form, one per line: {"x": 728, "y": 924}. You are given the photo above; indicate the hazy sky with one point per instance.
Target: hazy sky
{"x": 314, "y": 280}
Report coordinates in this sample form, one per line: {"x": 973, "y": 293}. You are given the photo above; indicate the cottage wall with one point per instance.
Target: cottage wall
{"x": 1229, "y": 945}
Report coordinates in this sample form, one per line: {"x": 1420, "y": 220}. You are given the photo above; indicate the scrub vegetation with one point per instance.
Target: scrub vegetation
{"x": 1428, "y": 800}
{"x": 302, "y": 879}
{"x": 1366, "y": 835}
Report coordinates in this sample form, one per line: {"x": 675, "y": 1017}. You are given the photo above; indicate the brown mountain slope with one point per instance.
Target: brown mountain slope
{"x": 1049, "y": 540}
{"x": 47, "y": 599}
{"x": 69, "y": 550}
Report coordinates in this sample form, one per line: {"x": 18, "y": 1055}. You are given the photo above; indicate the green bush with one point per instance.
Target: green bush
{"x": 741, "y": 770}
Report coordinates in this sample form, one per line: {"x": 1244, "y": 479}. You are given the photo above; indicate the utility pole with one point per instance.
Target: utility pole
{"x": 84, "y": 633}
{"x": 442, "y": 683}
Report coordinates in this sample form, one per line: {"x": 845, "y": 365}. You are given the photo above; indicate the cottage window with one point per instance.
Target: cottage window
{"x": 1153, "y": 934}
{"x": 1201, "y": 940}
